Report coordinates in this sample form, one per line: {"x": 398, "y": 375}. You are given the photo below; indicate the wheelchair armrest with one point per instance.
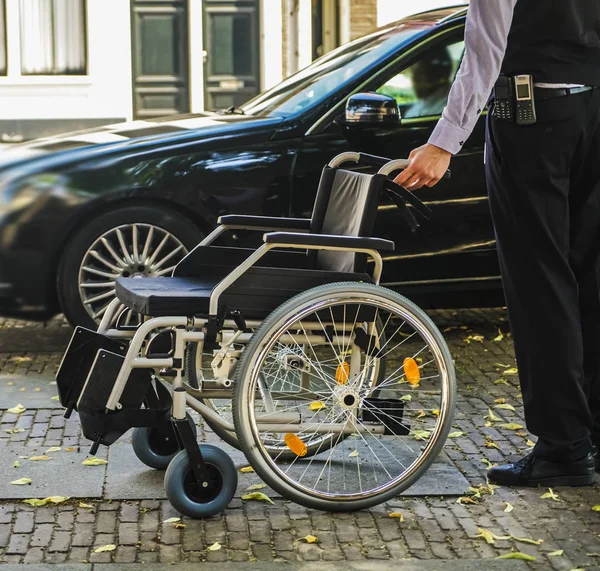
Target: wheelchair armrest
{"x": 264, "y": 222}
{"x": 327, "y": 241}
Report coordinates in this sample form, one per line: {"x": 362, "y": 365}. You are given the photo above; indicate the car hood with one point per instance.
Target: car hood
{"x": 79, "y": 145}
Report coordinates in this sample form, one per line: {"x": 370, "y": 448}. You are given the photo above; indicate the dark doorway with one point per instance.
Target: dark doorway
{"x": 232, "y": 45}
{"x": 160, "y": 57}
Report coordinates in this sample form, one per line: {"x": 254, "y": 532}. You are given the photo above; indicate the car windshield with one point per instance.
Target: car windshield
{"x": 329, "y": 73}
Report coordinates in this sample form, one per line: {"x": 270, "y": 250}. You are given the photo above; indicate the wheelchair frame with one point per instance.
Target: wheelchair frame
{"x": 186, "y": 329}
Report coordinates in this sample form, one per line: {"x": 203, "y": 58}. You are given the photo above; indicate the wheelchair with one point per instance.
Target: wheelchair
{"x": 339, "y": 392}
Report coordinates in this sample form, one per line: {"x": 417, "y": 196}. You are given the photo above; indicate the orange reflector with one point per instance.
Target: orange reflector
{"x": 342, "y": 373}
{"x": 412, "y": 371}
{"x": 295, "y": 444}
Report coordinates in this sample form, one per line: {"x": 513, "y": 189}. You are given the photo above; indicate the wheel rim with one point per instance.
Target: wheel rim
{"x": 129, "y": 250}
{"x": 196, "y": 492}
{"x": 163, "y": 442}
{"x": 365, "y": 465}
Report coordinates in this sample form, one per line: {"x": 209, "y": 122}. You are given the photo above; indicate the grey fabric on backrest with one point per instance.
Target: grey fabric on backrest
{"x": 351, "y": 209}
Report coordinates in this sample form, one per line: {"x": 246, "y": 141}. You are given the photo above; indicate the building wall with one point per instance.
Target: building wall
{"x": 363, "y": 17}
{"x": 391, "y": 10}
{"x": 103, "y": 94}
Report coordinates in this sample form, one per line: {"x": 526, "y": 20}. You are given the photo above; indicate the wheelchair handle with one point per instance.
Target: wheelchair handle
{"x": 386, "y": 166}
{"x": 401, "y": 164}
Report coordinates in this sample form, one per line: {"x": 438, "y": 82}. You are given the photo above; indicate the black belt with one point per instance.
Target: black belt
{"x": 543, "y": 93}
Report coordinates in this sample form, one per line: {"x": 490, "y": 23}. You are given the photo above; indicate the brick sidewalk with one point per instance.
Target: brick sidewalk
{"x": 433, "y": 528}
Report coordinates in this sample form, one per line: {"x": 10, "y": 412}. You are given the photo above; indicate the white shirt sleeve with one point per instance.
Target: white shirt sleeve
{"x": 486, "y": 35}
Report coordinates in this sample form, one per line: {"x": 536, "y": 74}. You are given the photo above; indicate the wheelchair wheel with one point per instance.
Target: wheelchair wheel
{"x": 156, "y": 446}
{"x": 193, "y": 500}
{"x": 370, "y": 438}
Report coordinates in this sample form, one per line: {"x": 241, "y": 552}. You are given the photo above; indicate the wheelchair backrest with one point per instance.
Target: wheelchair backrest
{"x": 346, "y": 205}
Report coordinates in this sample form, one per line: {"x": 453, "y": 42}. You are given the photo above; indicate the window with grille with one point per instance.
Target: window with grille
{"x": 53, "y": 37}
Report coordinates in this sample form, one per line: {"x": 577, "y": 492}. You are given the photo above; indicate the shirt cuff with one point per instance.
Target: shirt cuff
{"x": 449, "y": 136}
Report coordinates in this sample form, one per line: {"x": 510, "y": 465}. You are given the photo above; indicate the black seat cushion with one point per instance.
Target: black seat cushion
{"x": 256, "y": 293}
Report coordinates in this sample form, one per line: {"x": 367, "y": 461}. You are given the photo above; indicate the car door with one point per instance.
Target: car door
{"x": 456, "y": 249}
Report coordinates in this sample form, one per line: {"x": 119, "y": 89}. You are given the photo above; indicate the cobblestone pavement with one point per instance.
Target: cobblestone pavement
{"x": 433, "y": 528}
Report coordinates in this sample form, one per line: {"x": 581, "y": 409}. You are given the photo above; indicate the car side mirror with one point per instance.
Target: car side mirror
{"x": 371, "y": 110}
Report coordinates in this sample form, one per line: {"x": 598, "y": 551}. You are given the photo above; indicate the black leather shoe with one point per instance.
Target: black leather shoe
{"x": 531, "y": 472}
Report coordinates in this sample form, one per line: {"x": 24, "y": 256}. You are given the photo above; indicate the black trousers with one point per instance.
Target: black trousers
{"x": 544, "y": 190}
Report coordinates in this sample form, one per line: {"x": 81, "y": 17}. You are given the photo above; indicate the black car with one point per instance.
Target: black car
{"x": 79, "y": 210}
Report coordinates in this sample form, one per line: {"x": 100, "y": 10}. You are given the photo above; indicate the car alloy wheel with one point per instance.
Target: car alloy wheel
{"x": 131, "y": 250}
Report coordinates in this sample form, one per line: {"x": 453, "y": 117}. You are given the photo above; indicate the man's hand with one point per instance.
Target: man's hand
{"x": 428, "y": 164}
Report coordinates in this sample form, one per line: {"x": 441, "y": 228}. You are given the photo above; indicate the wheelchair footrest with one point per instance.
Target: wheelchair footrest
{"x": 104, "y": 426}
{"x": 78, "y": 360}
{"x": 388, "y": 412}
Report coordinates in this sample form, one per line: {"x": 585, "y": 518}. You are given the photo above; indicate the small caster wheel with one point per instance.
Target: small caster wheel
{"x": 192, "y": 499}
{"x": 156, "y": 446}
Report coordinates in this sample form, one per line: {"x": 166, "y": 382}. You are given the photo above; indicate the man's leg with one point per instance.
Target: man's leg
{"x": 585, "y": 255}
{"x": 528, "y": 171}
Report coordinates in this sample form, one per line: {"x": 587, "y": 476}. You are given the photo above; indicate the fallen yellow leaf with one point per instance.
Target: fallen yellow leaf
{"x": 52, "y": 499}
{"x": 489, "y": 536}
{"x": 501, "y": 382}
{"x": 466, "y": 500}
{"x": 104, "y": 548}
{"x": 551, "y": 495}
{"x": 70, "y": 449}
{"x": 317, "y": 405}
{"x": 435, "y": 412}
{"x": 39, "y": 458}
{"x": 499, "y": 401}
{"x": 398, "y": 515}
{"x": 511, "y": 426}
{"x": 506, "y": 407}
{"x": 258, "y": 496}
{"x": 509, "y": 508}
{"x": 172, "y": 520}
{"x": 420, "y": 434}
{"x": 180, "y": 526}
{"x": 421, "y": 414}
{"x": 56, "y": 397}
{"x": 530, "y": 443}
{"x": 517, "y": 555}
{"x": 53, "y": 449}
{"x": 353, "y": 454}
{"x": 490, "y": 444}
{"x": 16, "y": 409}
{"x": 93, "y": 461}
{"x": 556, "y": 553}
{"x": 527, "y": 540}
{"x": 214, "y": 547}
{"x": 491, "y": 416}
{"x": 511, "y": 371}
{"x": 500, "y": 335}
{"x": 22, "y": 481}
{"x": 256, "y": 487}
{"x": 488, "y": 463}
{"x": 596, "y": 508}
{"x": 15, "y": 430}
{"x": 16, "y": 464}
{"x": 406, "y": 398}
{"x": 246, "y": 469}
{"x": 456, "y": 434}
{"x": 310, "y": 539}
{"x": 86, "y": 506}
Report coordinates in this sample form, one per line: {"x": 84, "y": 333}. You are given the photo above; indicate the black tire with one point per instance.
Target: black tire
{"x": 80, "y": 242}
{"x": 157, "y": 446}
{"x": 196, "y": 502}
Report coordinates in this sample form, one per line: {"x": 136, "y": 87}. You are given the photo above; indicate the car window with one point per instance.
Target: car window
{"x": 330, "y": 72}
{"x": 421, "y": 90}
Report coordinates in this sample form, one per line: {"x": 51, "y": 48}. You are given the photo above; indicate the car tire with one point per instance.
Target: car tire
{"x": 143, "y": 218}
